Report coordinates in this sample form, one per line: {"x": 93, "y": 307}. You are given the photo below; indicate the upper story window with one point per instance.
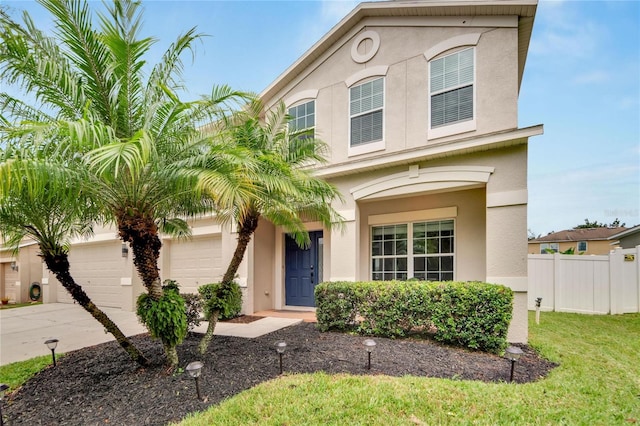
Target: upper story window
{"x": 582, "y": 246}
{"x": 366, "y": 111}
{"x": 303, "y": 117}
{"x": 451, "y": 88}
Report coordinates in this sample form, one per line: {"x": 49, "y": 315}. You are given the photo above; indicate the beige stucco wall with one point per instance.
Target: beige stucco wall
{"x": 261, "y": 272}
{"x": 406, "y": 86}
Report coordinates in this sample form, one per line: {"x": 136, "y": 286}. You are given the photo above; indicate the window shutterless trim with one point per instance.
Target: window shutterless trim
{"x": 366, "y": 111}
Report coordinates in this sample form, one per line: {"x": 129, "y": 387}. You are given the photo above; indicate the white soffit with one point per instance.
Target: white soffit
{"x": 417, "y": 180}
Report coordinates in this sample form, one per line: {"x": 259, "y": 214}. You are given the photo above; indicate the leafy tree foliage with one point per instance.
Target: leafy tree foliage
{"x": 595, "y": 224}
{"x": 97, "y": 108}
{"x": 277, "y": 184}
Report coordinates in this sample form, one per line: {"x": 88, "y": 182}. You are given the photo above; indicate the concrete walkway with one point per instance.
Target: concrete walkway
{"x": 24, "y": 330}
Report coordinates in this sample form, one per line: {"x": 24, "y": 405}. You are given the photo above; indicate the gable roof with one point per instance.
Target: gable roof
{"x": 582, "y": 234}
{"x": 524, "y": 9}
{"x": 625, "y": 232}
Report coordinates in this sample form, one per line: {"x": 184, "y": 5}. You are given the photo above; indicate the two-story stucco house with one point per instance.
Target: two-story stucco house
{"x": 418, "y": 101}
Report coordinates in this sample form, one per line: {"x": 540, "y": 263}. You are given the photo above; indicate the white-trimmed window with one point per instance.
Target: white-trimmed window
{"x": 451, "y": 88}
{"x": 582, "y": 246}
{"x": 545, "y": 248}
{"x": 303, "y": 117}
{"x": 422, "y": 250}
{"x": 366, "y": 112}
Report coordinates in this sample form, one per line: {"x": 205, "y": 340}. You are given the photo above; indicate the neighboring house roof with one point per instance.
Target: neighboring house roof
{"x": 524, "y": 9}
{"x": 582, "y": 234}
{"x": 625, "y": 232}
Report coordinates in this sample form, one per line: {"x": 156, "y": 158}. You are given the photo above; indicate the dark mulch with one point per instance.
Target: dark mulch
{"x": 243, "y": 319}
{"x": 100, "y": 385}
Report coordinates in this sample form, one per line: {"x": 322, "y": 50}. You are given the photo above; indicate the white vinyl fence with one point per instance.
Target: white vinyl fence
{"x": 608, "y": 284}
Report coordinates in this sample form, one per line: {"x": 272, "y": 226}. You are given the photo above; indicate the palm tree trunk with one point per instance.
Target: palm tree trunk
{"x": 206, "y": 339}
{"x": 245, "y": 231}
{"x": 142, "y": 234}
{"x": 59, "y": 266}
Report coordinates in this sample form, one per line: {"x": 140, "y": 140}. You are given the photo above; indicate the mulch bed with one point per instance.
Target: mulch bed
{"x": 99, "y": 385}
{"x": 243, "y": 319}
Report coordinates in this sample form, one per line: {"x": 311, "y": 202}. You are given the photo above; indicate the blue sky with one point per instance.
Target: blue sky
{"x": 582, "y": 81}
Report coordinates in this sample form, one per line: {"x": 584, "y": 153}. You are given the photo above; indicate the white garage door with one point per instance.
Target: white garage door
{"x": 97, "y": 268}
{"x": 10, "y": 278}
{"x": 195, "y": 262}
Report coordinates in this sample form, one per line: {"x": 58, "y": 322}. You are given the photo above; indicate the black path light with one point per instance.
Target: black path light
{"x": 3, "y": 389}
{"x": 52, "y": 344}
{"x": 513, "y": 354}
{"x": 369, "y": 345}
{"x": 194, "y": 369}
{"x": 280, "y": 348}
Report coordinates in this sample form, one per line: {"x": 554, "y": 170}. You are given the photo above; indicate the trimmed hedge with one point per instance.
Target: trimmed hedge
{"x": 471, "y": 314}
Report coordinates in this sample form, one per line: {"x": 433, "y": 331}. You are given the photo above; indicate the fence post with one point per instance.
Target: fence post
{"x": 557, "y": 275}
{"x": 637, "y": 261}
{"x": 615, "y": 278}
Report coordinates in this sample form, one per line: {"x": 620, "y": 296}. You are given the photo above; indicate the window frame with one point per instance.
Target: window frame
{"x": 586, "y": 246}
{"x": 374, "y": 145}
{"x": 456, "y": 127}
{"x": 410, "y": 253}
{"x": 307, "y": 131}
{"x": 553, "y": 246}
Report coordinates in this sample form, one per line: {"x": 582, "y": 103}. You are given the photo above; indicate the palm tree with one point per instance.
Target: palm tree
{"x": 44, "y": 201}
{"x": 278, "y": 185}
{"x": 131, "y": 132}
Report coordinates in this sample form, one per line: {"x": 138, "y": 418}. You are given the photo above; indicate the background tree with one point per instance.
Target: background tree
{"x": 276, "y": 184}
{"x": 130, "y": 131}
{"x": 44, "y": 201}
{"x": 595, "y": 224}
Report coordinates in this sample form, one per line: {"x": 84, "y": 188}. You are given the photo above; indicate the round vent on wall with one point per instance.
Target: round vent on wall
{"x": 365, "y": 46}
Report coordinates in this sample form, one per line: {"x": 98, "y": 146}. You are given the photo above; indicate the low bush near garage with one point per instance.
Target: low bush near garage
{"x": 471, "y": 314}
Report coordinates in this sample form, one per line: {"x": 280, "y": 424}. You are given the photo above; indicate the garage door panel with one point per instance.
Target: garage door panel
{"x": 10, "y": 278}
{"x": 195, "y": 262}
{"x": 97, "y": 268}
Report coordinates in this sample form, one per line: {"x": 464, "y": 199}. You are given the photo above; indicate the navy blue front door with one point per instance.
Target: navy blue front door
{"x": 303, "y": 270}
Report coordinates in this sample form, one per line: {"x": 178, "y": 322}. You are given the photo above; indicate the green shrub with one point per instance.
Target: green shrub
{"x": 337, "y": 305}
{"x": 472, "y": 314}
{"x": 225, "y": 299}
{"x": 166, "y": 318}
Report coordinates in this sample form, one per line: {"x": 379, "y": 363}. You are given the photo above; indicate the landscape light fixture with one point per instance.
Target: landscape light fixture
{"x": 3, "y": 389}
{"x": 125, "y": 250}
{"x": 369, "y": 345}
{"x": 280, "y": 348}
{"x": 195, "y": 369}
{"x": 52, "y": 344}
{"x": 513, "y": 354}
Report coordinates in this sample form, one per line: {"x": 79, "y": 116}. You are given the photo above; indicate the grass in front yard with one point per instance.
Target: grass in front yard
{"x": 19, "y": 305}
{"x": 597, "y": 382}
{"x": 16, "y": 373}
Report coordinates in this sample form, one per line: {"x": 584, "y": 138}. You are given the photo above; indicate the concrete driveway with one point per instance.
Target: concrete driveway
{"x": 24, "y": 330}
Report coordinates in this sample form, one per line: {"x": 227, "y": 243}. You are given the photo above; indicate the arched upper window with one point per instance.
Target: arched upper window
{"x": 452, "y": 85}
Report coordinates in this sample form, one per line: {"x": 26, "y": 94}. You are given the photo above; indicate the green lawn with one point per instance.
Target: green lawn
{"x": 16, "y": 373}
{"x": 597, "y": 383}
{"x": 19, "y": 305}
